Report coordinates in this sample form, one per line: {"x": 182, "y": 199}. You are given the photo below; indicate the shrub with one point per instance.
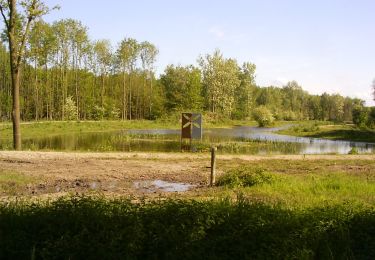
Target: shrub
{"x": 290, "y": 116}
{"x": 360, "y": 116}
{"x": 98, "y": 112}
{"x": 70, "y": 109}
{"x": 354, "y": 150}
{"x": 246, "y": 177}
{"x": 263, "y": 116}
{"x": 114, "y": 112}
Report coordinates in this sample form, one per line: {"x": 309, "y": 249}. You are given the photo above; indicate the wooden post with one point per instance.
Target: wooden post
{"x": 213, "y": 166}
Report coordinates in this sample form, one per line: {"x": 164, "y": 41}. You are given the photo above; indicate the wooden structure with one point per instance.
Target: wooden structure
{"x": 191, "y": 127}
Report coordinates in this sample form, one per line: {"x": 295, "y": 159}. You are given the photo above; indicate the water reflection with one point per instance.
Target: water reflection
{"x": 249, "y": 140}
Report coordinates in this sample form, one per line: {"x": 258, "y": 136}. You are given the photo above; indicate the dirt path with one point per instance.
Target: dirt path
{"x": 25, "y": 155}
{"x": 61, "y": 173}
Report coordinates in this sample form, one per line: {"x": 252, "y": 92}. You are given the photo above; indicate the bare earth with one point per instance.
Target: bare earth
{"x": 59, "y": 173}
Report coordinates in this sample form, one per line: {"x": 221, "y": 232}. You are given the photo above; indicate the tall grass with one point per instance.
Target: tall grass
{"x": 95, "y": 228}
{"x": 300, "y": 190}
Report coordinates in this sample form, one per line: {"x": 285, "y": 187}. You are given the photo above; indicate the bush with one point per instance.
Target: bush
{"x": 354, "y": 150}
{"x": 263, "y": 116}
{"x": 112, "y": 112}
{"x": 371, "y": 118}
{"x": 98, "y": 113}
{"x": 246, "y": 177}
{"x": 360, "y": 116}
{"x": 290, "y": 116}
{"x": 70, "y": 109}
{"x": 306, "y": 127}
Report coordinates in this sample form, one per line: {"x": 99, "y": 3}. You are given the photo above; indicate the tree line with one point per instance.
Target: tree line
{"x": 65, "y": 75}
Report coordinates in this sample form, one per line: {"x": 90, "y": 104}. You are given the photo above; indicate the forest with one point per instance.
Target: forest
{"x": 68, "y": 76}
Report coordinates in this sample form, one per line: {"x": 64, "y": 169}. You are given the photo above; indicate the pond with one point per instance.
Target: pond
{"x": 240, "y": 139}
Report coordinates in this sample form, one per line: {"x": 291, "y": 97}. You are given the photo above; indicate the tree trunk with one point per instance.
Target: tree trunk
{"x": 150, "y": 108}
{"x": 14, "y": 67}
{"x": 63, "y": 93}
{"x": 103, "y": 93}
{"x": 36, "y": 91}
{"x": 16, "y": 110}
{"x": 124, "y": 114}
{"x": 130, "y": 96}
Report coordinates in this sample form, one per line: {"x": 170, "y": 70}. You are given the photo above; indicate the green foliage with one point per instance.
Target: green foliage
{"x": 99, "y": 112}
{"x": 220, "y": 80}
{"x": 306, "y": 127}
{"x": 364, "y": 116}
{"x": 289, "y": 116}
{"x": 371, "y": 118}
{"x": 95, "y": 228}
{"x": 70, "y": 109}
{"x": 114, "y": 113}
{"x": 246, "y": 177}
{"x": 183, "y": 88}
{"x": 360, "y": 116}
{"x": 263, "y": 116}
{"x": 353, "y": 151}
{"x": 61, "y": 62}
{"x": 244, "y": 93}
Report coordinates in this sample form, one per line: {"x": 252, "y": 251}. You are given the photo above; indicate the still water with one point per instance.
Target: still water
{"x": 153, "y": 186}
{"x": 241, "y": 139}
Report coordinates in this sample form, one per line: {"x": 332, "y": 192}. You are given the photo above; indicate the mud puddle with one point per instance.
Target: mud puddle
{"x": 159, "y": 185}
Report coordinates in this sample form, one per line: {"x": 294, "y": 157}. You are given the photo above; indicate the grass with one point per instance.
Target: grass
{"x": 326, "y": 130}
{"x": 48, "y": 128}
{"x": 12, "y": 182}
{"x": 282, "y": 209}
{"x": 300, "y": 190}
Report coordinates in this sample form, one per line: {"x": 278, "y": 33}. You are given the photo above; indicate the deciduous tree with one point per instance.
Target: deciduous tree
{"x": 220, "y": 79}
{"x": 18, "y": 17}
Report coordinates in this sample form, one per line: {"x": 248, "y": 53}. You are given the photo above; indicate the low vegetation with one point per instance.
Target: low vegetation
{"x": 11, "y": 182}
{"x": 244, "y": 177}
{"x": 45, "y": 128}
{"x": 327, "y": 130}
{"x": 300, "y": 209}
{"x": 92, "y": 228}
{"x": 263, "y": 116}
{"x": 303, "y": 186}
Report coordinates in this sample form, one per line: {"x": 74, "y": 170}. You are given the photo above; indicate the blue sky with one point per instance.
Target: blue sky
{"x": 325, "y": 45}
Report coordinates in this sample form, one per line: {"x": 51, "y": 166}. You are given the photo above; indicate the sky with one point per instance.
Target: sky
{"x": 325, "y": 45}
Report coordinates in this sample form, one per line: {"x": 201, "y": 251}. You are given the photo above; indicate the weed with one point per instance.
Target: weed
{"x": 353, "y": 151}
{"x": 246, "y": 177}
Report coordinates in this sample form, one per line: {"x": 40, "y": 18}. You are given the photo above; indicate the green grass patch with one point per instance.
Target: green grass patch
{"x": 330, "y": 131}
{"x": 47, "y": 128}
{"x": 303, "y": 189}
{"x": 12, "y": 182}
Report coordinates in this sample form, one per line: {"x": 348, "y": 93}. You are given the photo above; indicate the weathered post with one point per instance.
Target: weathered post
{"x": 213, "y": 166}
